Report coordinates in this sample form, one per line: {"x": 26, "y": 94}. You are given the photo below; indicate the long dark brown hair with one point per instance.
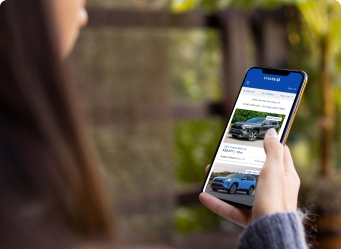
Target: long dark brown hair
{"x": 48, "y": 178}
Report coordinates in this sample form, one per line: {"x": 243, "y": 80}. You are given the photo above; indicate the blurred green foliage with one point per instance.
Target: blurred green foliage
{"x": 196, "y": 71}
{"x": 195, "y": 145}
{"x": 195, "y": 219}
{"x": 316, "y": 24}
{"x": 196, "y": 76}
{"x": 179, "y": 6}
{"x": 311, "y": 24}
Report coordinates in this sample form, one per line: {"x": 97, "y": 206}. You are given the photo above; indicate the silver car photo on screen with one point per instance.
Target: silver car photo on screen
{"x": 253, "y": 128}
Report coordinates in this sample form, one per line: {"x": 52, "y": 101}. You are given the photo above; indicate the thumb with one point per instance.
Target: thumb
{"x": 273, "y": 148}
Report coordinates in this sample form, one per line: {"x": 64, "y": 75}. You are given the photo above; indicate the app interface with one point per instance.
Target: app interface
{"x": 265, "y": 102}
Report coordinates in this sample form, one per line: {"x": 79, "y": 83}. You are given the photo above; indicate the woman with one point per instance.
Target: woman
{"x": 51, "y": 193}
{"x": 50, "y": 188}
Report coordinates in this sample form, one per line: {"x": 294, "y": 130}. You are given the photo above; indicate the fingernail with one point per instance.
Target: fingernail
{"x": 271, "y": 133}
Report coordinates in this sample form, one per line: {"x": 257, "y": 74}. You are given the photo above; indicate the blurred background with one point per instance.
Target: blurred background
{"x": 158, "y": 80}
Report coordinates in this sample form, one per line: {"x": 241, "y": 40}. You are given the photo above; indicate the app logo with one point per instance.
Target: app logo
{"x": 272, "y": 78}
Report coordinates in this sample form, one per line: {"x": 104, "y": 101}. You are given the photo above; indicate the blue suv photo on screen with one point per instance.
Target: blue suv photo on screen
{"x": 235, "y": 182}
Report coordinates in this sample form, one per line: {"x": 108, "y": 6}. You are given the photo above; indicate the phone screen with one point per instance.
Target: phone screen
{"x": 265, "y": 101}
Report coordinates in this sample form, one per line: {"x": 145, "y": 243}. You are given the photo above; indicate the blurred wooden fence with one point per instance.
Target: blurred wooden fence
{"x": 236, "y": 28}
{"x": 265, "y": 30}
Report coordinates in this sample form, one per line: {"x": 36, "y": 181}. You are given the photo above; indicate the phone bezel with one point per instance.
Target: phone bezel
{"x": 287, "y": 127}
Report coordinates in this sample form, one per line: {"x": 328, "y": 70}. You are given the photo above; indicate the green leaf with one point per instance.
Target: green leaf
{"x": 179, "y": 6}
{"x": 337, "y": 97}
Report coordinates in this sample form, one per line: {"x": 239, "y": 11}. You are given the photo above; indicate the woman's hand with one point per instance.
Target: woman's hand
{"x": 277, "y": 187}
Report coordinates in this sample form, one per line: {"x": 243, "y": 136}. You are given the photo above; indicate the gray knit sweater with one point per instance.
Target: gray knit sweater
{"x": 279, "y": 231}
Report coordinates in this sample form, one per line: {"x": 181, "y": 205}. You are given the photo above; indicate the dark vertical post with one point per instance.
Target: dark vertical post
{"x": 269, "y": 31}
{"x": 235, "y": 32}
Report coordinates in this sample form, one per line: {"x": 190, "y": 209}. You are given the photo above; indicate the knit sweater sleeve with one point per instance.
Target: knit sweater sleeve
{"x": 279, "y": 231}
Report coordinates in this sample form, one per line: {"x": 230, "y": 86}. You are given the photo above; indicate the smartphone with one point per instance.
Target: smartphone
{"x": 268, "y": 98}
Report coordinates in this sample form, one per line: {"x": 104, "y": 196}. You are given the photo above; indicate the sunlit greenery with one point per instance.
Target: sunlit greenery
{"x": 196, "y": 142}
{"x": 196, "y": 68}
{"x": 311, "y": 23}
{"x": 179, "y": 6}
{"x": 195, "y": 219}
{"x": 314, "y": 36}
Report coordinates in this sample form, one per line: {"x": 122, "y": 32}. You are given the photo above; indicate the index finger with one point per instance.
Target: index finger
{"x": 241, "y": 217}
{"x": 207, "y": 169}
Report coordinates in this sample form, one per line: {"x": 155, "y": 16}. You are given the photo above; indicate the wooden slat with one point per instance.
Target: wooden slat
{"x": 180, "y": 111}
{"x": 190, "y": 110}
{"x": 157, "y": 19}
{"x": 147, "y": 203}
{"x": 189, "y": 195}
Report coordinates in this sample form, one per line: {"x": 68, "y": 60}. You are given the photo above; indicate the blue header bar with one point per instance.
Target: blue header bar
{"x": 255, "y": 78}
